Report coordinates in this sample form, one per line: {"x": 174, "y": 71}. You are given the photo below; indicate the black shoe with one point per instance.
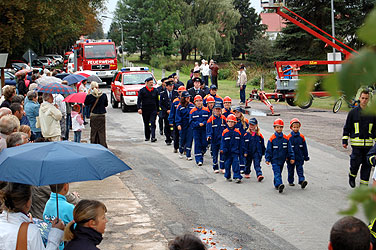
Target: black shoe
{"x": 175, "y": 150}
{"x": 291, "y": 184}
{"x": 153, "y": 139}
{"x": 86, "y": 123}
{"x": 303, "y": 184}
{"x": 352, "y": 181}
{"x": 147, "y": 139}
{"x": 280, "y": 188}
{"x": 168, "y": 143}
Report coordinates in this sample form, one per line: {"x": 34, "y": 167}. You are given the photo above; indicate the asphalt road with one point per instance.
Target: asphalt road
{"x": 180, "y": 196}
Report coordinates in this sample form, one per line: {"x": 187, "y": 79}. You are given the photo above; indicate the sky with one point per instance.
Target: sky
{"x": 112, "y": 5}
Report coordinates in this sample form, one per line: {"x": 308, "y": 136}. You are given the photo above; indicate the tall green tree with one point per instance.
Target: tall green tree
{"x": 248, "y": 28}
{"x": 148, "y": 26}
{"x": 208, "y": 26}
{"x": 297, "y": 44}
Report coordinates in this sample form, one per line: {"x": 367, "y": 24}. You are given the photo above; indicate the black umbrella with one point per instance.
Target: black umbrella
{"x": 62, "y": 75}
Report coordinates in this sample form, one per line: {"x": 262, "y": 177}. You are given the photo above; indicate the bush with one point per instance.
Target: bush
{"x": 186, "y": 69}
{"x": 157, "y": 61}
{"x": 224, "y": 74}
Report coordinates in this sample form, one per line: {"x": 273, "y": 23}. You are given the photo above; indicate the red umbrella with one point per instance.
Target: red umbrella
{"x": 82, "y": 74}
{"x": 76, "y": 97}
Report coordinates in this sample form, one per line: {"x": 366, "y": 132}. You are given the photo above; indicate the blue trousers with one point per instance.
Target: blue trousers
{"x": 77, "y": 136}
{"x": 199, "y": 137}
{"x": 186, "y": 137}
{"x": 206, "y": 80}
{"x": 242, "y": 94}
{"x": 232, "y": 160}
{"x": 86, "y": 111}
{"x": 277, "y": 170}
{"x": 299, "y": 171}
{"x": 242, "y": 161}
{"x": 256, "y": 165}
{"x": 215, "y": 147}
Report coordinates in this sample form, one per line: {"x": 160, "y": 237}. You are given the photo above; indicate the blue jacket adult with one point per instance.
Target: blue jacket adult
{"x": 299, "y": 145}
{"x": 182, "y": 115}
{"x": 32, "y": 112}
{"x": 231, "y": 141}
{"x": 215, "y": 127}
{"x": 174, "y": 106}
{"x": 85, "y": 238}
{"x": 279, "y": 149}
{"x": 254, "y": 144}
{"x": 197, "y": 116}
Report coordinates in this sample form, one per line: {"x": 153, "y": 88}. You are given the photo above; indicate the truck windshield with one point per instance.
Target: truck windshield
{"x": 131, "y": 79}
{"x": 100, "y": 51}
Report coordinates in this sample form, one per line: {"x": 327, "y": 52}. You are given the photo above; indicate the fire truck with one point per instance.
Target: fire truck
{"x": 96, "y": 55}
{"x": 287, "y": 71}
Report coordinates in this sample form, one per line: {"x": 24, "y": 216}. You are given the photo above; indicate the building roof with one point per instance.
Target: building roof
{"x": 274, "y": 22}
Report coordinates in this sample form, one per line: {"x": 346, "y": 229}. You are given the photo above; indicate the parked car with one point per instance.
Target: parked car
{"x": 57, "y": 58}
{"x": 47, "y": 62}
{"x": 126, "y": 84}
{"x": 10, "y": 79}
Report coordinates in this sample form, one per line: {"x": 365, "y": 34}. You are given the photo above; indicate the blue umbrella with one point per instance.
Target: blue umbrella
{"x": 74, "y": 78}
{"x": 56, "y": 88}
{"x": 48, "y": 163}
{"x": 62, "y": 75}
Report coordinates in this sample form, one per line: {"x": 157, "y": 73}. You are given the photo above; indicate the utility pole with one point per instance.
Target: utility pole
{"x": 333, "y": 35}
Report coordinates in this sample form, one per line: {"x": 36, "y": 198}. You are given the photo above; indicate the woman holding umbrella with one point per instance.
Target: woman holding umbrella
{"x": 15, "y": 226}
{"x": 98, "y": 102}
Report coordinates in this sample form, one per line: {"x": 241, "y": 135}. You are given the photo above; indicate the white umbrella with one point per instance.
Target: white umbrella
{"x": 43, "y": 81}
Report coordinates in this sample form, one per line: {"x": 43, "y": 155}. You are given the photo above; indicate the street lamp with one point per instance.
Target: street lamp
{"x": 122, "y": 39}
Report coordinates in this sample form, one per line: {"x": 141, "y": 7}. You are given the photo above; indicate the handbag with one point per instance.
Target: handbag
{"x": 22, "y": 236}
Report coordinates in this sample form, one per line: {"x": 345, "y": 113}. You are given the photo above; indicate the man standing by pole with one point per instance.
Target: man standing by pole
{"x": 148, "y": 106}
{"x": 242, "y": 83}
{"x": 361, "y": 128}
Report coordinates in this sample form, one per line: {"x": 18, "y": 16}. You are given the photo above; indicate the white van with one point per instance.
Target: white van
{"x": 70, "y": 67}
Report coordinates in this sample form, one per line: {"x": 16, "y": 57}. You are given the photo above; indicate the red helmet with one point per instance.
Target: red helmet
{"x": 227, "y": 99}
{"x": 182, "y": 88}
{"x": 197, "y": 97}
{"x": 278, "y": 122}
{"x": 231, "y": 117}
{"x": 295, "y": 120}
{"x": 210, "y": 99}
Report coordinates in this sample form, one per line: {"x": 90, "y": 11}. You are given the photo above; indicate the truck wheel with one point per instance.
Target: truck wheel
{"x": 306, "y": 104}
{"x": 114, "y": 103}
{"x": 123, "y": 105}
{"x": 291, "y": 101}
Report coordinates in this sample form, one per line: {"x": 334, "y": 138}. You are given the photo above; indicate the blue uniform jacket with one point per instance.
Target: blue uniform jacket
{"x": 279, "y": 149}
{"x": 299, "y": 145}
{"x": 217, "y": 99}
{"x": 227, "y": 112}
{"x": 174, "y": 105}
{"x": 182, "y": 115}
{"x": 239, "y": 125}
{"x": 371, "y": 156}
{"x": 254, "y": 144}
{"x": 197, "y": 116}
{"x": 214, "y": 128}
{"x": 231, "y": 141}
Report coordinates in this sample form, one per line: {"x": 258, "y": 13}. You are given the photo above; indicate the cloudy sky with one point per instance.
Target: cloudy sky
{"x": 112, "y": 5}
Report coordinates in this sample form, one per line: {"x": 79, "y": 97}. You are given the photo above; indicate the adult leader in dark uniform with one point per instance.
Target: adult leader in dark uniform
{"x": 165, "y": 102}
{"x": 190, "y": 83}
{"x": 196, "y": 89}
{"x": 148, "y": 106}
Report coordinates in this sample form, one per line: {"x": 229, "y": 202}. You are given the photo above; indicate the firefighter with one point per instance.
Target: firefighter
{"x": 148, "y": 107}
{"x": 161, "y": 89}
{"x": 165, "y": 102}
{"x": 198, "y": 118}
{"x": 361, "y": 128}
{"x": 171, "y": 118}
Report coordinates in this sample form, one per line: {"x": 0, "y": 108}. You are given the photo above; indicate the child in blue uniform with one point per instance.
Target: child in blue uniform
{"x": 242, "y": 124}
{"x": 230, "y": 148}
{"x": 198, "y": 118}
{"x": 254, "y": 149}
{"x": 182, "y": 123}
{"x": 277, "y": 152}
{"x": 171, "y": 118}
{"x": 227, "y": 110}
{"x": 299, "y": 145}
{"x": 214, "y": 129}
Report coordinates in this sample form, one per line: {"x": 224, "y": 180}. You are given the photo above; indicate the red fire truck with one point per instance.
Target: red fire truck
{"x": 96, "y": 55}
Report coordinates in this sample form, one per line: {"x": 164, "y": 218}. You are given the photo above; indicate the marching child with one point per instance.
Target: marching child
{"x": 299, "y": 145}
{"x": 227, "y": 106}
{"x": 77, "y": 122}
{"x": 210, "y": 101}
{"x": 277, "y": 152}
{"x": 214, "y": 129}
{"x": 230, "y": 149}
{"x": 242, "y": 124}
{"x": 198, "y": 118}
{"x": 254, "y": 149}
{"x": 182, "y": 123}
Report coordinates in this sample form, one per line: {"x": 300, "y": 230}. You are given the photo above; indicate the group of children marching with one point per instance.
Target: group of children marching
{"x": 235, "y": 142}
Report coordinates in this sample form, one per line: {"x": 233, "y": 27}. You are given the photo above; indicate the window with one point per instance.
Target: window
{"x": 130, "y": 79}
{"x": 100, "y": 51}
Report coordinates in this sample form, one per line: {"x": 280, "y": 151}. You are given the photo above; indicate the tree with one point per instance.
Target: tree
{"x": 98, "y": 33}
{"x": 248, "y": 28}
{"x": 208, "y": 26}
{"x": 297, "y": 44}
{"x": 261, "y": 52}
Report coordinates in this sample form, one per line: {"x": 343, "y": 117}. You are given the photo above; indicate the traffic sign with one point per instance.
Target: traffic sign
{"x": 29, "y": 55}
